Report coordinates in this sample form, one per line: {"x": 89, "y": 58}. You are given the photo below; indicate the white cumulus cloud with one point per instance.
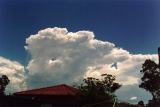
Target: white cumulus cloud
{"x": 15, "y": 72}
{"x": 77, "y": 55}
{"x": 59, "y": 56}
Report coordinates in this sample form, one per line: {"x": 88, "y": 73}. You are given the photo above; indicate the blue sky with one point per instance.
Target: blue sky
{"x": 132, "y": 25}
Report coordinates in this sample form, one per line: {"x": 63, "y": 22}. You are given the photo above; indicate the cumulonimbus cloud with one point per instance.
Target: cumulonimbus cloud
{"x": 60, "y": 56}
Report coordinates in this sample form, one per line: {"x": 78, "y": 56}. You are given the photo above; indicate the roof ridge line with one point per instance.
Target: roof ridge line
{"x": 42, "y": 88}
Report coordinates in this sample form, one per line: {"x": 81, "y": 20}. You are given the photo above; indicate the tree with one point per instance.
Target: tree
{"x": 141, "y": 103}
{"x": 151, "y": 78}
{"x": 4, "y": 81}
{"x": 96, "y": 90}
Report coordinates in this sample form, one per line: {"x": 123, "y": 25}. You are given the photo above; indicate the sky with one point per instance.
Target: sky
{"x": 32, "y": 32}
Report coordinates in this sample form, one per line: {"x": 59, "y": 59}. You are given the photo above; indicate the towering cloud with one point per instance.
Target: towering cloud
{"x": 62, "y": 56}
{"x": 59, "y": 56}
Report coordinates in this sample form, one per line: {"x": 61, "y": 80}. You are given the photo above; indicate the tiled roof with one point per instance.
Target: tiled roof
{"x": 54, "y": 90}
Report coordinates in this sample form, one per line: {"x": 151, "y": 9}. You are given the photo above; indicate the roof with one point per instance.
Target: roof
{"x": 54, "y": 90}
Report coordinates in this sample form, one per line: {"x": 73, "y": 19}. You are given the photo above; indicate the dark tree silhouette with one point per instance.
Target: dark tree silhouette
{"x": 96, "y": 90}
{"x": 151, "y": 78}
{"x": 4, "y": 81}
{"x": 141, "y": 103}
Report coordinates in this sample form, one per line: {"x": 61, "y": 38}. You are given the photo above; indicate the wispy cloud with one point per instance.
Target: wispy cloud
{"x": 133, "y": 98}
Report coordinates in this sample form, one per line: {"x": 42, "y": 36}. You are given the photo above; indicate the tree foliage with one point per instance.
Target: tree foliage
{"x": 99, "y": 89}
{"x": 4, "y": 81}
{"x": 151, "y": 78}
